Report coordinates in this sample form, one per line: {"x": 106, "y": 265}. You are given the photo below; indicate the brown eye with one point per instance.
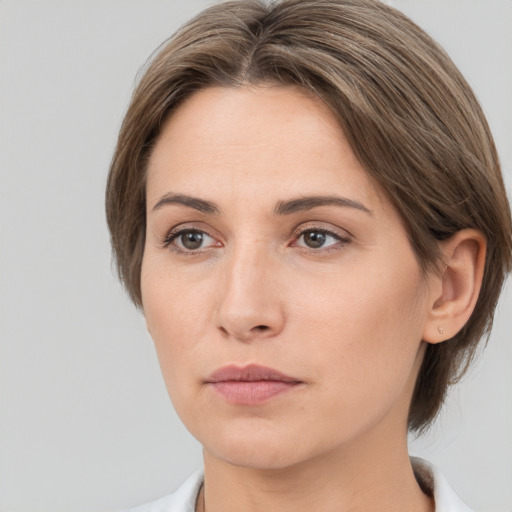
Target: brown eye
{"x": 191, "y": 240}
{"x": 314, "y": 239}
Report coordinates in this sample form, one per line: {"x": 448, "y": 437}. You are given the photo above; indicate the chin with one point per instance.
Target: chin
{"x": 262, "y": 447}
{"x": 268, "y": 457}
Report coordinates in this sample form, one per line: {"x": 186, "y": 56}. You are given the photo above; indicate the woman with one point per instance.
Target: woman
{"x": 306, "y": 203}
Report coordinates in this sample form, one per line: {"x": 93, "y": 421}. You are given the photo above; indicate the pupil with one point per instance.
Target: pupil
{"x": 192, "y": 240}
{"x": 314, "y": 239}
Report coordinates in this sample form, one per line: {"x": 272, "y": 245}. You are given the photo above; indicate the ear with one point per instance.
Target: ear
{"x": 454, "y": 290}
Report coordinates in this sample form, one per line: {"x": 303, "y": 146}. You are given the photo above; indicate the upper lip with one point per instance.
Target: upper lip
{"x": 248, "y": 373}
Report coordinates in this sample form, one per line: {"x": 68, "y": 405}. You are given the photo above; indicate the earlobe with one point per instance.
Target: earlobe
{"x": 455, "y": 289}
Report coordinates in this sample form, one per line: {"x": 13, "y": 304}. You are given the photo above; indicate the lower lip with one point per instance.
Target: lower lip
{"x": 251, "y": 392}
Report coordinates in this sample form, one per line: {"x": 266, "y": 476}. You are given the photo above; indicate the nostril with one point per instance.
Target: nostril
{"x": 262, "y": 327}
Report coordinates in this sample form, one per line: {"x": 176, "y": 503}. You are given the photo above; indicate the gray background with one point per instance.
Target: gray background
{"x": 85, "y": 420}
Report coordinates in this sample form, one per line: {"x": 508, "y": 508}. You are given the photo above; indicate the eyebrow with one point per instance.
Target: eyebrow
{"x": 282, "y": 207}
{"x": 310, "y": 202}
{"x": 192, "y": 202}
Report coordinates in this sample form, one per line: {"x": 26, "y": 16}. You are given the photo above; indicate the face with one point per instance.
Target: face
{"x": 278, "y": 282}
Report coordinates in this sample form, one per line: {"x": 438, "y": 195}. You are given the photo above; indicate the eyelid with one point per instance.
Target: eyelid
{"x": 176, "y": 231}
{"x": 321, "y": 226}
{"x": 343, "y": 236}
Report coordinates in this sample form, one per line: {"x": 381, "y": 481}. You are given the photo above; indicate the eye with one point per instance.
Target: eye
{"x": 319, "y": 239}
{"x": 189, "y": 240}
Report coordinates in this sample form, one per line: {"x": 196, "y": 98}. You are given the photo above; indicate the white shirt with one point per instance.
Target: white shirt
{"x": 430, "y": 478}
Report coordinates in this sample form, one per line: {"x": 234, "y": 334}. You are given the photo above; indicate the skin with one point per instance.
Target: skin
{"x": 346, "y": 319}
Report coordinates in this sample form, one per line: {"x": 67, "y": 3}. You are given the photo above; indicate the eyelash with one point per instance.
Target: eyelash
{"x": 175, "y": 233}
{"x": 342, "y": 240}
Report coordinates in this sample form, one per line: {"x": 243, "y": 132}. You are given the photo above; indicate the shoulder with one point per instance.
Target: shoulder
{"x": 434, "y": 483}
{"x": 181, "y": 500}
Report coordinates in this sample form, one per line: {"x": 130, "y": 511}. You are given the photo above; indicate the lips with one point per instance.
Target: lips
{"x": 250, "y": 385}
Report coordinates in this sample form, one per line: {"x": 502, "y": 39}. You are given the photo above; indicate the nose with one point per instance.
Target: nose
{"x": 249, "y": 303}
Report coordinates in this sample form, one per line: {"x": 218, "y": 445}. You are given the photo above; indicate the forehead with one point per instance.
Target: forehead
{"x": 243, "y": 139}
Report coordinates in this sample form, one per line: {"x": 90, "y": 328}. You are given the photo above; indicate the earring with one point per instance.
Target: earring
{"x": 440, "y": 329}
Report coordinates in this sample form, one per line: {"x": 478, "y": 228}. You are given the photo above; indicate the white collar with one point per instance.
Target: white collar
{"x": 432, "y": 481}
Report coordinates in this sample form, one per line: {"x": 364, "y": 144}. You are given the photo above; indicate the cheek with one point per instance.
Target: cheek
{"x": 175, "y": 318}
{"x": 367, "y": 326}
{"x": 172, "y": 301}
{"x": 174, "y": 321}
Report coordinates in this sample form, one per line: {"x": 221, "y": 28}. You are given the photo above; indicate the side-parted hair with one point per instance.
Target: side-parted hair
{"x": 409, "y": 116}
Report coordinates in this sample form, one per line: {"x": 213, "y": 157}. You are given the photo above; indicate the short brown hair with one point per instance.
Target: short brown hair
{"x": 409, "y": 115}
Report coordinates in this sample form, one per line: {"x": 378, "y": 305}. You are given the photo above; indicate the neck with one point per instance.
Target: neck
{"x": 370, "y": 477}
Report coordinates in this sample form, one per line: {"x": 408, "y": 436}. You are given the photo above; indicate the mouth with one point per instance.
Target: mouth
{"x": 250, "y": 385}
